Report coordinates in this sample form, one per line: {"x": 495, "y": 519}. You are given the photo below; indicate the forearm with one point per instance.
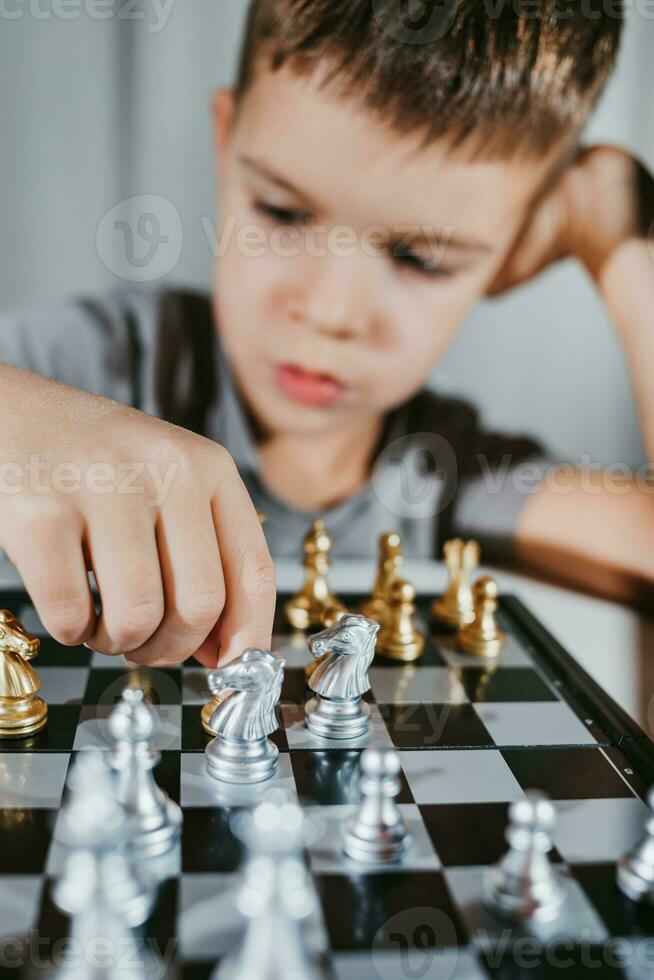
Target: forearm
{"x": 626, "y": 283}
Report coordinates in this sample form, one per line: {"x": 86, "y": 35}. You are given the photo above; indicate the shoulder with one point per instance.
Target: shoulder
{"x": 487, "y": 475}
{"x": 460, "y": 425}
{"x": 86, "y": 341}
{"x": 131, "y": 344}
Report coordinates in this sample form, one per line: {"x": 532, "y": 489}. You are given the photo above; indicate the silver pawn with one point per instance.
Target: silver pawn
{"x": 276, "y": 897}
{"x": 94, "y": 829}
{"x": 241, "y": 752}
{"x": 156, "y": 819}
{"x": 345, "y": 651}
{"x": 635, "y": 870}
{"x": 377, "y": 832}
{"x": 525, "y": 885}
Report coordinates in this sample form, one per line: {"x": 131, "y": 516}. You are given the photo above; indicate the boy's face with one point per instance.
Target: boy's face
{"x": 348, "y": 259}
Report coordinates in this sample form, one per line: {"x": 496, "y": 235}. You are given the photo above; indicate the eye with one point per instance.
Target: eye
{"x": 406, "y": 257}
{"x": 282, "y": 216}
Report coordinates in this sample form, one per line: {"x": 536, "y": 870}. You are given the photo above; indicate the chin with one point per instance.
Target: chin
{"x": 292, "y": 419}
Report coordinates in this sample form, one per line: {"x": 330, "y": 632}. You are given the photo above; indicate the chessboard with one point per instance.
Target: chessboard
{"x": 472, "y": 737}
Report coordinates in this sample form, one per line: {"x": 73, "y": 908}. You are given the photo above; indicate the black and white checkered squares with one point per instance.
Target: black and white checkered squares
{"x": 472, "y": 737}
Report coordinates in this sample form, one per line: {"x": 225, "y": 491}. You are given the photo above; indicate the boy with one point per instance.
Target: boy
{"x": 450, "y": 165}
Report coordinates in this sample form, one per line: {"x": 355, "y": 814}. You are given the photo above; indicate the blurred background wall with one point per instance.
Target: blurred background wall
{"x": 103, "y": 100}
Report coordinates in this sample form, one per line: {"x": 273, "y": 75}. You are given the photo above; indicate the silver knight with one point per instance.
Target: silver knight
{"x": 345, "y": 651}
{"x": 241, "y": 751}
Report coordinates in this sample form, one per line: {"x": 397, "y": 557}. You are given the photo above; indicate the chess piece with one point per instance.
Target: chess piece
{"x": 482, "y": 636}
{"x": 635, "y": 870}
{"x": 94, "y": 829}
{"x": 525, "y": 885}
{"x": 399, "y": 637}
{"x": 22, "y": 711}
{"x": 306, "y": 610}
{"x": 331, "y": 615}
{"x": 99, "y": 889}
{"x": 391, "y": 560}
{"x": 156, "y": 819}
{"x": 241, "y": 751}
{"x": 456, "y": 607}
{"x": 345, "y": 650}
{"x": 276, "y": 896}
{"x": 377, "y": 832}
{"x": 208, "y": 709}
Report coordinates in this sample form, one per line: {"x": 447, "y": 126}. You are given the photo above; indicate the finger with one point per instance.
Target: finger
{"x": 59, "y": 590}
{"x": 207, "y": 652}
{"x": 122, "y": 549}
{"x": 194, "y": 588}
{"x": 250, "y": 593}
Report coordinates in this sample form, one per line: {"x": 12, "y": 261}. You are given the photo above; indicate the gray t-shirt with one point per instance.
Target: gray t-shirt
{"x": 437, "y": 473}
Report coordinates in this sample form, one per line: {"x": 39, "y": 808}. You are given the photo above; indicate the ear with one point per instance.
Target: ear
{"x": 223, "y": 112}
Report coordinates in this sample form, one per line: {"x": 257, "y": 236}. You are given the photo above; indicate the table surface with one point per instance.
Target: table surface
{"x": 614, "y": 644}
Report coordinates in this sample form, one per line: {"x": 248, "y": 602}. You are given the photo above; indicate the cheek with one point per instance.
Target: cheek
{"x": 426, "y": 318}
{"x": 244, "y": 284}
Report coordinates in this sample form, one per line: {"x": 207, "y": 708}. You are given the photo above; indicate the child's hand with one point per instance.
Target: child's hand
{"x": 160, "y": 515}
{"x": 604, "y": 198}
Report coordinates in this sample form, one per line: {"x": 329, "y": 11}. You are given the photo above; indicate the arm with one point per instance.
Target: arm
{"x": 594, "y": 529}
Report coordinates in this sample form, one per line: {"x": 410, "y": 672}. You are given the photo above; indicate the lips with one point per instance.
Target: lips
{"x": 308, "y": 387}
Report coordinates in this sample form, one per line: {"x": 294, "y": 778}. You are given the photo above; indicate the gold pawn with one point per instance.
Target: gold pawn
{"x": 456, "y": 608}
{"x": 307, "y": 608}
{"x": 483, "y": 637}
{"x": 208, "y": 709}
{"x": 22, "y": 711}
{"x": 399, "y": 637}
{"x": 391, "y": 560}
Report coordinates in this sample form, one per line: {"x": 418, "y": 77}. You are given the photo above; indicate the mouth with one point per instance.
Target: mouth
{"x": 309, "y": 387}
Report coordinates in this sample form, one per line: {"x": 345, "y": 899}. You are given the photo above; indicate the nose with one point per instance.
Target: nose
{"x": 337, "y": 296}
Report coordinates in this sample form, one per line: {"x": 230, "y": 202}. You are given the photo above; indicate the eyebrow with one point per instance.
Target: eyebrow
{"x": 431, "y": 237}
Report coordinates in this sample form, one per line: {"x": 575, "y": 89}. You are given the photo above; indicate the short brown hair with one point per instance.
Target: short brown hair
{"x": 514, "y": 77}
